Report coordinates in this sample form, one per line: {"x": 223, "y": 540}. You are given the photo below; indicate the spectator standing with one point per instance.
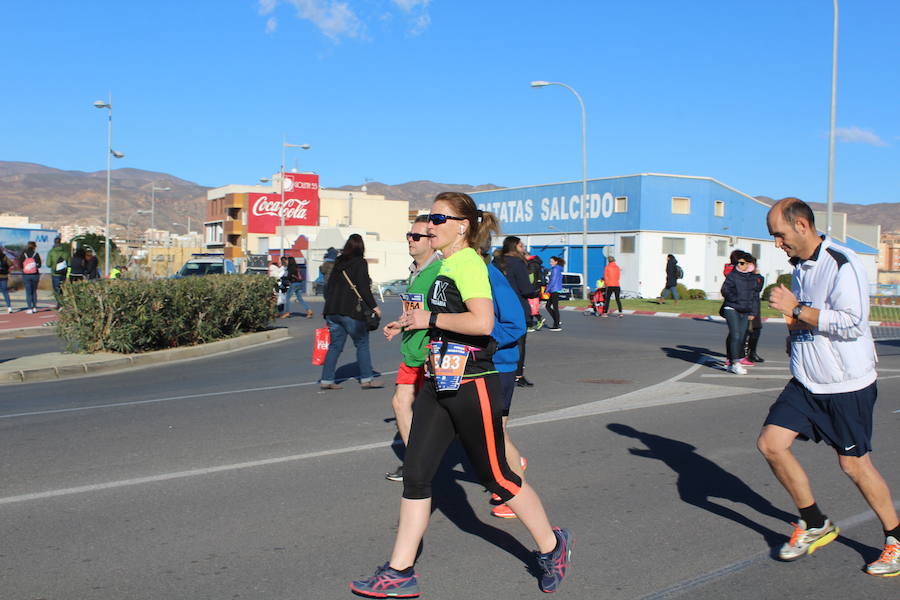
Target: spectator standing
{"x": 554, "y": 287}
{"x": 30, "y": 260}
{"x": 5, "y": 266}
{"x": 833, "y": 392}
{"x": 754, "y": 327}
{"x": 91, "y": 264}
{"x": 740, "y": 298}
{"x": 611, "y": 276}
{"x": 293, "y": 284}
{"x": 414, "y": 345}
{"x": 276, "y": 271}
{"x": 510, "y": 259}
{"x": 672, "y": 272}
{"x": 343, "y": 314}
{"x": 58, "y": 263}
{"x": 536, "y": 273}
{"x": 79, "y": 263}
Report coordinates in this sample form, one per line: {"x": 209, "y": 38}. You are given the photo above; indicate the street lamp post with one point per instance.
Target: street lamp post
{"x": 284, "y": 145}
{"x": 584, "y": 197}
{"x": 110, "y": 153}
{"x": 137, "y": 212}
{"x": 153, "y": 190}
{"x": 834, "y": 44}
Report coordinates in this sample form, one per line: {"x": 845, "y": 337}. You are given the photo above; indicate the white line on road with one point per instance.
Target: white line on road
{"x": 169, "y": 399}
{"x": 679, "y": 589}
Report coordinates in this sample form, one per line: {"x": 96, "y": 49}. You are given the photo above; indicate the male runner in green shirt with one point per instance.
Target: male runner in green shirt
{"x": 411, "y": 373}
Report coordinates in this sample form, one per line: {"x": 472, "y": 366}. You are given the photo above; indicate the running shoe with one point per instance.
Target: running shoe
{"x": 554, "y": 565}
{"x": 502, "y": 511}
{"x": 806, "y": 541}
{"x": 888, "y": 565}
{"x": 387, "y": 583}
{"x": 554, "y": 329}
{"x": 396, "y": 475}
{"x": 540, "y": 323}
{"x": 747, "y": 363}
{"x": 737, "y": 369}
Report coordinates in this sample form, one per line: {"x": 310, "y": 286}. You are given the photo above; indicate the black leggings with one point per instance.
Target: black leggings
{"x": 553, "y": 308}
{"x": 610, "y": 291}
{"x": 474, "y": 414}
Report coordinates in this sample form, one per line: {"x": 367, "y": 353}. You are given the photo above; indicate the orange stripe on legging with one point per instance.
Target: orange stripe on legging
{"x": 488, "y": 422}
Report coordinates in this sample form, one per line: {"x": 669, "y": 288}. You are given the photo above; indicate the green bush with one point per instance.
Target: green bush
{"x": 137, "y": 316}
{"x": 782, "y": 279}
{"x": 696, "y": 294}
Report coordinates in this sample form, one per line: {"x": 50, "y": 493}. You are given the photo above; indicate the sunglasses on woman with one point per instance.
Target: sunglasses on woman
{"x": 415, "y": 237}
{"x": 439, "y": 219}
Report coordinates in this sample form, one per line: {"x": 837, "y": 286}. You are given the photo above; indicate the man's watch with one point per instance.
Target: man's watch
{"x": 797, "y": 310}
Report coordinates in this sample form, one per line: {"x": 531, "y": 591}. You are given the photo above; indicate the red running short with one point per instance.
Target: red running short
{"x": 411, "y": 375}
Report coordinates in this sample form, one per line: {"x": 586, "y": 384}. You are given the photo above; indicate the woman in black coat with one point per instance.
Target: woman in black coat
{"x": 343, "y": 314}
{"x": 511, "y": 262}
{"x": 740, "y": 298}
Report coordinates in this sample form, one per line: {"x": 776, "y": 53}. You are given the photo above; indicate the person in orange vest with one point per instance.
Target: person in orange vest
{"x": 611, "y": 275}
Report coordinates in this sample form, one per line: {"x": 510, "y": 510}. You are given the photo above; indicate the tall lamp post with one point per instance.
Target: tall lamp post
{"x": 284, "y": 146}
{"x": 834, "y": 44}
{"x": 110, "y": 153}
{"x": 153, "y": 190}
{"x": 584, "y": 198}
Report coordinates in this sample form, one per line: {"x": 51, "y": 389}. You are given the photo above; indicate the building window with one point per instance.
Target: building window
{"x": 671, "y": 245}
{"x": 721, "y": 247}
{"x": 719, "y": 208}
{"x": 755, "y": 249}
{"x": 621, "y": 204}
{"x": 626, "y": 244}
{"x": 681, "y": 206}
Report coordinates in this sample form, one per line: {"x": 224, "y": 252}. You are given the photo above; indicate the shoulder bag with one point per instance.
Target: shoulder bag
{"x": 373, "y": 321}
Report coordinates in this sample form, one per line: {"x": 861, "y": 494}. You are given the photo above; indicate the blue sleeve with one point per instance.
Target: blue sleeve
{"x": 509, "y": 319}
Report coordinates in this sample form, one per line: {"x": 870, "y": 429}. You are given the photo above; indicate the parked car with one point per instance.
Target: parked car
{"x": 392, "y": 288}
{"x": 573, "y": 286}
{"x": 206, "y": 264}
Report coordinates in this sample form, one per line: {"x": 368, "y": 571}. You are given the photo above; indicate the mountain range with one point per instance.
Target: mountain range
{"x": 54, "y": 197}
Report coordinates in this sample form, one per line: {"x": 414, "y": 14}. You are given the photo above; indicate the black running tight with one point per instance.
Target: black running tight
{"x": 553, "y": 308}
{"x": 474, "y": 414}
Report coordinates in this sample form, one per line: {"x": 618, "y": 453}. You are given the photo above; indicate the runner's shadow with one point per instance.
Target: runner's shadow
{"x": 450, "y": 498}
{"x": 700, "y": 479}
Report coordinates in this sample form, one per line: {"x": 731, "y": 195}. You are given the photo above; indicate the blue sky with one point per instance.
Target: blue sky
{"x": 400, "y": 90}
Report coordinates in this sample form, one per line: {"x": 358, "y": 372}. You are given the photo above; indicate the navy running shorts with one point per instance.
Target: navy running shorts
{"x": 843, "y": 421}
{"x": 508, "y": 385}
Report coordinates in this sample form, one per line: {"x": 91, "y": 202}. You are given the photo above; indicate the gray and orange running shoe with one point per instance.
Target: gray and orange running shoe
{"x": 888, "y": 564}
{"x": 555, "y": 565}
{"x": 806, "y": 541}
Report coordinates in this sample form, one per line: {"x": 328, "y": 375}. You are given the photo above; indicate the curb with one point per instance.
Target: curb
{"x": 650, "y": 313}
{"x": 7, "y": 334}
{"x": 157, "y": 357}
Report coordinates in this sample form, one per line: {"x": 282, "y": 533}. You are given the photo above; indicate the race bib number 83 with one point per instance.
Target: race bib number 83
{"x": 448, "y": 363}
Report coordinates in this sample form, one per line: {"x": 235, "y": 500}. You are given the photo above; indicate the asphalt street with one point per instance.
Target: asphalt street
{"x": 235, "y": 477}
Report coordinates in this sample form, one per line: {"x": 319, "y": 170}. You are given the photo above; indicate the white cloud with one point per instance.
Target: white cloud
{"x": 410, "y": 5}
{"x": 334, "y": 19}
{"x": 856, "y": 135}
{"x": 271, "y": 24}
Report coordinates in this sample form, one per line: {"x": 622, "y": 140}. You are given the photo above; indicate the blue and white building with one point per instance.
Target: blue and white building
{"x": 641, "y": 218}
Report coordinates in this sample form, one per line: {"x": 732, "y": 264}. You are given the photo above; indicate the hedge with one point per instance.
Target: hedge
{"x": 137, "y": 316}
{"x": 783, "y": 279}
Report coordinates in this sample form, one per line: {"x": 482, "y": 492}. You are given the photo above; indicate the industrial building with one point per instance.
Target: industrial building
{"x": 641, "y": 218}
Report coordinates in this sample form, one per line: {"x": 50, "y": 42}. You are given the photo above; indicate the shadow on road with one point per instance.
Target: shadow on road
{"x": 692, "y": 354}
{"x": 700, "y": 479}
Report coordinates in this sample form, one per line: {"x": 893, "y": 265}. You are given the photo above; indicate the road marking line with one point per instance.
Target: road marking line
{"x": 748, "y": 376}
{"x": 679, "y": 589}
{"x": 168, "y": 399}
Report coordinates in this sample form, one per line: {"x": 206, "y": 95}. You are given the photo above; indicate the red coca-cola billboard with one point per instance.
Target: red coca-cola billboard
{"x": 301, "y": 204}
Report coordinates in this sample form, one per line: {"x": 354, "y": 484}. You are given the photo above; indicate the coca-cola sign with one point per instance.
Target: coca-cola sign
{"x": 301, "y": 204}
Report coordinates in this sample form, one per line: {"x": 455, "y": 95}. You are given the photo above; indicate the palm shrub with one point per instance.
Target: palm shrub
{"x": 137, "y": 316}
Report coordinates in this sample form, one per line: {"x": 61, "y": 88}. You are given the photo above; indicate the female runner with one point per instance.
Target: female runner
{"x": 462, "y": 396}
